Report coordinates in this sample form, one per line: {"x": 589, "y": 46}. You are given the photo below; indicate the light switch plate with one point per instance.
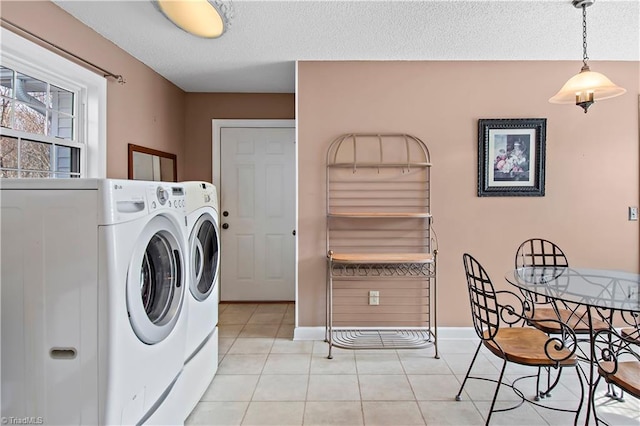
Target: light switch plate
{"x": 633, "y": 213}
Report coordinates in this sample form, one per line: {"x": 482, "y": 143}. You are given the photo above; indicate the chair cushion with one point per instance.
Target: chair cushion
{"x": 626, "y": 378}
{"x": 577, "y": 321}
{"x": 526, "y": 346}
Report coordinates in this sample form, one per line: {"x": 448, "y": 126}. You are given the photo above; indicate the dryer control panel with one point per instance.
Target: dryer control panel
{"x": 201, "y": 194}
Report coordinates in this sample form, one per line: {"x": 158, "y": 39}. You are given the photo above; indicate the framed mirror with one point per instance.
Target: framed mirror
{"x": 151, "y": 164}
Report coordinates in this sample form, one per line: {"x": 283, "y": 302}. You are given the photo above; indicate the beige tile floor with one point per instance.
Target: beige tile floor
{"x": 266, "y": 378}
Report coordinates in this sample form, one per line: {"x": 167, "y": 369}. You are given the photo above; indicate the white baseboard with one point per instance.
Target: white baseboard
{"x": 444, "y": 333}
{"x": 308, "y": 333}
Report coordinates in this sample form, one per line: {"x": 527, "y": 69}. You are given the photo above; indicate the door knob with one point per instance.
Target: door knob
{"x": 225, "y": 226}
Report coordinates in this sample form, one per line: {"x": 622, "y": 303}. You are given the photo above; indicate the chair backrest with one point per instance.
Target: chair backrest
{"x": 540, "y": 252}
{"x": 482, "y": 297}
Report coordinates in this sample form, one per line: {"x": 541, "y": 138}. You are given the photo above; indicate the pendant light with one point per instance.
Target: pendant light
{"x": 587, "y": 86}
{"x": 203, "y": 18}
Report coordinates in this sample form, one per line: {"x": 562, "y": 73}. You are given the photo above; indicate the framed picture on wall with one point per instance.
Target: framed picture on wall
{"x": 511, "y": 156}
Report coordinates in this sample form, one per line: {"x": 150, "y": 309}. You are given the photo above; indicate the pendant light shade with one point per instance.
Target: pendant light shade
{"x": 587, "y": 86}
{"x": 203, "y": 18}
{"x": 584, "y": 85}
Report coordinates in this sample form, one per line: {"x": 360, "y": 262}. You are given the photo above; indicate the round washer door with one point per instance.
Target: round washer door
{"x": 155, "y": 279}
{"x": 204, "y": 256}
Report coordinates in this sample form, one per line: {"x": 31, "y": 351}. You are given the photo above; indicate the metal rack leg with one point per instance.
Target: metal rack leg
{"x": 434, "y": 302}
{"x": 330, "y": 311}
{"x": 326, "y": 309}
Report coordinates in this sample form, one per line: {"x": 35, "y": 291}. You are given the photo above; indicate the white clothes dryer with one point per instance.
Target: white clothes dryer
{"x": 201, "y": 355}
{"x": 203, "y": 262}
{"x": 93, "y": 290}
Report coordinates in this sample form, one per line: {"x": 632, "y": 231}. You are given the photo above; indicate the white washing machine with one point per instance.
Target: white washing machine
{"x": 93, "y": 287}
{"x": 201, "y": 355}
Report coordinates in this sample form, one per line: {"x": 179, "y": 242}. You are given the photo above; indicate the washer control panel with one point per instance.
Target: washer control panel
{"x": 167, "y": 196}
{"x": 126, "y": 200}
{"x": 162, "y": 195}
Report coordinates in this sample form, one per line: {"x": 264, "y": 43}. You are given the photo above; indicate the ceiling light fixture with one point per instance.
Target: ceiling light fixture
{"x": 587, "y": 86}
{"x": 204, "y": 18}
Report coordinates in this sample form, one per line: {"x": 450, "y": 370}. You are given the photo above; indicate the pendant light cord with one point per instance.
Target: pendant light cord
{"x": 585, "y": 58}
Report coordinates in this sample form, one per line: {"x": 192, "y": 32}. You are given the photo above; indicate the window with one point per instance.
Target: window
{"x": 52, "y": 114}
{"x": 45, "y": 114}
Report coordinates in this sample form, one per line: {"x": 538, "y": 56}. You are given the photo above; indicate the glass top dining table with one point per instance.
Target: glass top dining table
{"x": 599, "y": 288}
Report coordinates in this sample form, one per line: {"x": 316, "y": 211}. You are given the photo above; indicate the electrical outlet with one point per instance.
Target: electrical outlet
{"x": 374, "y": 297}
{"x": 633, "y": 213}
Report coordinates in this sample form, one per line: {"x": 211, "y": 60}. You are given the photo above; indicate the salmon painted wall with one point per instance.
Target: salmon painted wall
{"x": 592, "y": 163}
{"x": 201, "y": 108}
{"x": 148, "y": 110}
{"x": 592, "y": 160}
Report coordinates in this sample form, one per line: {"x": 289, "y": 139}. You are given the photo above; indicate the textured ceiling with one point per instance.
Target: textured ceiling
{"x": 258, "y": 52}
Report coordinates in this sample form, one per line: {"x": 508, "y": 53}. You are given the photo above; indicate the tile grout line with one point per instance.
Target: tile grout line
{"x": 251, "y": 399}
{"x": 415, "y": 397}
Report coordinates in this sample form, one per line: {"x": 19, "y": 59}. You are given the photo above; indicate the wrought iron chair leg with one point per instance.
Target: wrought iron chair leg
{"x": 578, "y": 372}
{"x": 547, "y": 393}
{"x": 621, "y": 397}
{"x": 458, "y": 398}
{"x": 611, "y": 393}
{"x": 495, "y": 394}
{"x": 597, "y": 419}
{"x": 551, "y": 386}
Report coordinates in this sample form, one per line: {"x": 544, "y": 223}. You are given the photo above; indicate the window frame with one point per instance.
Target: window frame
{"x": 34, "y": 60}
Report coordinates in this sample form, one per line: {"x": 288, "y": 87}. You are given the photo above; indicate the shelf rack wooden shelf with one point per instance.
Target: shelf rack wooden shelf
{"x": 380, "y": 240}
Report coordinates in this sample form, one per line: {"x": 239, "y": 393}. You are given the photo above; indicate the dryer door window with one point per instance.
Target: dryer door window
{"x": 204, "y": 255}
{"x": 155, "y": 281}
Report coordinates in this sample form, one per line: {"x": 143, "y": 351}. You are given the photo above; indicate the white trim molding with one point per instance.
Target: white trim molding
{"x": 218, "y": 124}
{"x": 29, "y": 57}
{"x": 216, "y": 127}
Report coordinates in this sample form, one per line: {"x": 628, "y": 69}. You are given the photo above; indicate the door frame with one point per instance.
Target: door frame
{"x": 216, "y": 130}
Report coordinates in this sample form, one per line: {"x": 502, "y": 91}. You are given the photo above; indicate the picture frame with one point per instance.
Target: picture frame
{"x": 511, "y": 157}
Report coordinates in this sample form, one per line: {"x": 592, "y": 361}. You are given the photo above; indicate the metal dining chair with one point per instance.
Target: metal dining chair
{"x": 502, "y": 329}
{"x": 631, "y": 331}
{"x": 632, "y": 328}
{"x": 540, "y": 252}
{"x": 618, "y": 358}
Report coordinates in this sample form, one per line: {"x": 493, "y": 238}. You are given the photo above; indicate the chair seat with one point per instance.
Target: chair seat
{"x": 526, "y": 346}
{"x": 577, "y": 321}
{"x": 631, "y": 333}
{"x": 626, "y": 378}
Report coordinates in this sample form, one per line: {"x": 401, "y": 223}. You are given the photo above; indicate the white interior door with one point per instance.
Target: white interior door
{"x": 257, "y": 207}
